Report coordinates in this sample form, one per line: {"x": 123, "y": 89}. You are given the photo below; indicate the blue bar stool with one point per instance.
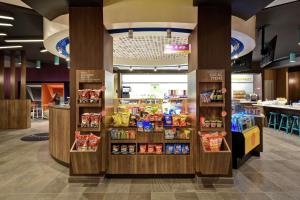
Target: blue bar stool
{"x": 273, "y": 120}
{"x": 295, "y": 124}
{"x": 285, "y": 123}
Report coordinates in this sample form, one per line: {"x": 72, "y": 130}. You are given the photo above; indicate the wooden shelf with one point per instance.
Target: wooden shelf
{"x": 89, "y": 105}
{"x": 214, "y": 104}
{"x": 212, "y": 129}
{"x": 120, "y": 154}
{"x": 87, "y": 129}
{"x": 120, "y": 141}
{"x": 180, "y": 141}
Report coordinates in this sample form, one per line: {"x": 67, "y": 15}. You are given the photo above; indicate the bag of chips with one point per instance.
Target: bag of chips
{"x": 124, "y": 149}
{"x": 95, "y": 96}
{"x": 176, "y": 120}
{"x": 185, "y": 149}
{"x": 81, "y": 141}
{"x": 93, "y": 141}
{"x": 169, "y": 149}
{"x": 95, "y": 120}
{"x": 115, "y": 149}
{"x": 151, "y": 148}
{"x": 177, "y": 149}
{"x": 131, "y": 149}
{"x": 84, "y": 96}
{"x": 158, "y": 148}
{"x": 85, "y": 120}
{"x": 143, "y": 148}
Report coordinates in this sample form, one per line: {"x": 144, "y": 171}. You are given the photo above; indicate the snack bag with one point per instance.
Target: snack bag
{"x": 81, "y": 141}
{"x": 85, "y": 120}
{"x": 151, "y": 148}
{"x": 158, "y": 148}
{"x": 93, "y": 141}
{"x": 131, "y": 149}
{"x": 117, "y": 120}
{"x": 125, "y": 117}
{"x": 183, "y": 120}
{"x": 95, "y": 96}
{"x": 177, "y": 149}
{"x": 168, "y": 120}
{"x": 124, "y": 149}
{"x": 176, "y": 120}
{"x": 185, "y": 149}
{"x": 147, "y": 126}
{"x": 115, "y": 149}
{"x": 140, "y": 126}
{"x": 83, "y": 96}
{"x": 95, "y": 120}
{"x": 169, "y": 149}
{"x": 143, "y": 148}
{"x": 158, "y": 126}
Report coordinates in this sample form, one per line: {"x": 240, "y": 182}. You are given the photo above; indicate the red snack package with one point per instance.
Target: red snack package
{"x": 151, "y": 148}
{"x": 158, "y": 149}
{"x": 143, "y": 148}
{"x": 85, "y": 120}
{"x": 95, "y": 96}
{"x": 93, "y": 141}
{"x": 84, "y": 96}
{"x": 95, "y": 120}
{"x": 81, "y": 141}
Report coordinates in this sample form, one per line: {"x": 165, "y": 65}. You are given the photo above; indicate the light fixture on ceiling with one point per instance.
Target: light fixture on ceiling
{"x": 130, "y": 33}
{"x": 235, "y": 56}
{"x": 56, "y": 60}
{"x": 3, "y": 34}
{"x": 11, "y": 47}
{"x": 169, "y": 33}
{"x": 68, "y": 64}
{"x": 179, "y": 67}
{"x": 23, "y": 40}
{"x": 155, "y": 69}
{"x": 43, "y": 50}
{"x": 6, "y": 24}
{"x": 38, "y": 64}
{"x": 292, "y": 57}
{"x": 6, "y": 15}
{"x": 131, "y": 68}
{"x": 67, "y": 59}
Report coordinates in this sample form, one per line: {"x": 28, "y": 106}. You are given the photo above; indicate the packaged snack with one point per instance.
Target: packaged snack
{"x": 184, "y": 134}
{"x": 176, "y": 120}
{"x": 124, "y": 149}
{"x": 95, "y": 120}
{"x": 143, "y": 148}
{"x": 147, "y": 126}
{"x": 132, "y": 121}
{"x": 158, "y": 148}
{"x": 219, "y": 124}
{"x": 207, "y": 123}
{"x": 183, "y": 120}
{"x": 125, "y": 119}
{"x": 168, "y": 120}
{"x": 185, "y": 149}
{"x": 140, "y": 126}
{"x": 85, "y": 120}
{"x": 93, "y": 141}
{"x": 151, "y": 148}
{"x": 177, "y": 149}
{"x": 117, "y": 120}
{"x": 158, "y": 126}
{"x": 213, "y": 123}
{"x": 131, "y": 149}
{"x": 95, "y": 96}
{"x": 169, "y": 149}
{"x": 131, "y": 134}
{"x": 170, "y": 133}
{"x": 115, "y": 149}
{"x": 83, "y": 96}
{"x": 81, "y": 141}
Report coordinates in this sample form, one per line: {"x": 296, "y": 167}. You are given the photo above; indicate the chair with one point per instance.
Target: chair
{"x": 295, "y": 124}
{"x": 284, "y": 123}
{"x": 273, "y": 120}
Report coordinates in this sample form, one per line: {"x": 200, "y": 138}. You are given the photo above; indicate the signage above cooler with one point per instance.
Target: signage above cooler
{"x": 177, "y": 49}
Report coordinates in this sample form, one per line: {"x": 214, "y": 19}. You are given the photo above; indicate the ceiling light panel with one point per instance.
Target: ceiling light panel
{"x": 11, "y": 47}
{"x": 23, "y": 40}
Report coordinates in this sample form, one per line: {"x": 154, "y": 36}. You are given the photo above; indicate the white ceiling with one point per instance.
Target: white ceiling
{"x": 279, "y": 2}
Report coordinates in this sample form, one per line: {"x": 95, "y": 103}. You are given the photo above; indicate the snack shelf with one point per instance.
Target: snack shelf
{"x": 125, "y": 141}
{"x": 90, "y": 81}
{"x": 222, "y": 104}
{"x": 184, "y": 141}
{"x": 212, "y": 129}
{"x": 89, "y": 105}
{"x": 88, "y": 129}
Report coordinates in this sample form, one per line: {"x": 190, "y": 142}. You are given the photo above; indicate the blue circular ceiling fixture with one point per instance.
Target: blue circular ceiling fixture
{"x": 237, "y": 45}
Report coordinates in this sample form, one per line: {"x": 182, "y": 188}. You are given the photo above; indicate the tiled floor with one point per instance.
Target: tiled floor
{"x": 28, "y": 172}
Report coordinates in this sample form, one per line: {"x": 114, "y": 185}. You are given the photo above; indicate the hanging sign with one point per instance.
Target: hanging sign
{"x": 177, "y": 49}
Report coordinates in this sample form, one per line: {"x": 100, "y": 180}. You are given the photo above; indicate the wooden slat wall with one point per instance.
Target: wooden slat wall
{"x": 23, "y": 75}
{"x": 1, "y": 76}
{"x": 13, "y": 75}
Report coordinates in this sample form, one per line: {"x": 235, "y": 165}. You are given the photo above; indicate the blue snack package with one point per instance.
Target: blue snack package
{"x": 168, "y": 120}
{"x": 185, "y": 149}
{"x": 177, "y": 149}
{"x": 169, "y": 149}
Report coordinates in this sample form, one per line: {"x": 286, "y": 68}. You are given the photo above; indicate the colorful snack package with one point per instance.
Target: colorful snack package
{"x": 140, "y": 126}
{"x": 85, "y": 120}
{"x": 185, "y": 149}
{"x": 81, "y": 141}
{"x": 183, "y": 120}
{"x": 115, "y": 149}
{"x": 83, "y": 96}
{"x": 124, "y": 149}
{"x": 158, "y": 149}
{"x": 147, "y": 126}
{"x": 176, "y": 120}
{"x": 143, "y": 148}
{"x": 169, "y": 149}
{"x": 117, "y": 120}
{"x": 93, "y": 141}
{"x": 95, "y": 96}
{"x": 168, "y": 120}
{"x": 131, "y": 149}
{"x": 125, "y": 117}
{"x": 95, "y": 120}
{"x": 151, "y": 148}
{"x": 177, "y": 149}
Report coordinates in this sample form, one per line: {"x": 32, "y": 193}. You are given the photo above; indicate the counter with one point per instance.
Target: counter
{"x": 59, "y": 133}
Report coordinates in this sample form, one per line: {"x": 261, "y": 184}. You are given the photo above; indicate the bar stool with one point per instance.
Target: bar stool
{"x": 284, "y": 123}
{"x": 273, "y": 120}
{"x": 295, "y": 124}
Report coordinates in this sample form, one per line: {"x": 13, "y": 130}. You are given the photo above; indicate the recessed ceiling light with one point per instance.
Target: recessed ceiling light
{"x": 43, "y": 50}
{"x": 3, "y": 34}
{"x": 68, "y": 59}
{"x": 6, "y": 17}
{"x": 11, "y": 47}
{"x": 5, "y": 24}
{"x": 155, "y": 69}
{"x": 130, "y": 68}
{"x": 23, "y": 40}
{"x": 235, "y": 56}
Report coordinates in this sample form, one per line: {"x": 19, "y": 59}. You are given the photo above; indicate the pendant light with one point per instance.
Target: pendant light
{"x": 292, "y": 57}
{"x": 38, "y": 64}
{"x": 56, "y": 60}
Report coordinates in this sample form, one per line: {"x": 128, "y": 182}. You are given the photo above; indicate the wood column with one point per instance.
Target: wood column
{"x": 23, "y": 75}
{"x": 12, "y": 75}
{"x": 1, "y": 76}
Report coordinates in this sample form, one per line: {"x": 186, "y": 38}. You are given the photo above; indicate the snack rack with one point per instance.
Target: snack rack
{"x": 149, "y": 163}
{"x": 211, "y": 162}
{"x": 90, "y": 161}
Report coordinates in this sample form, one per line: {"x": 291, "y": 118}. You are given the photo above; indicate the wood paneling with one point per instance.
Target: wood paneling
{"x": 59, "y": 133}
{"x": 1, "y": 76}
{"x": 294, "y": 86}
{"x": 23, "y": 75}
{"x": 15, "y": 114}
{"x": 282, "y": 83}
{"x": 13, "y": 75}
